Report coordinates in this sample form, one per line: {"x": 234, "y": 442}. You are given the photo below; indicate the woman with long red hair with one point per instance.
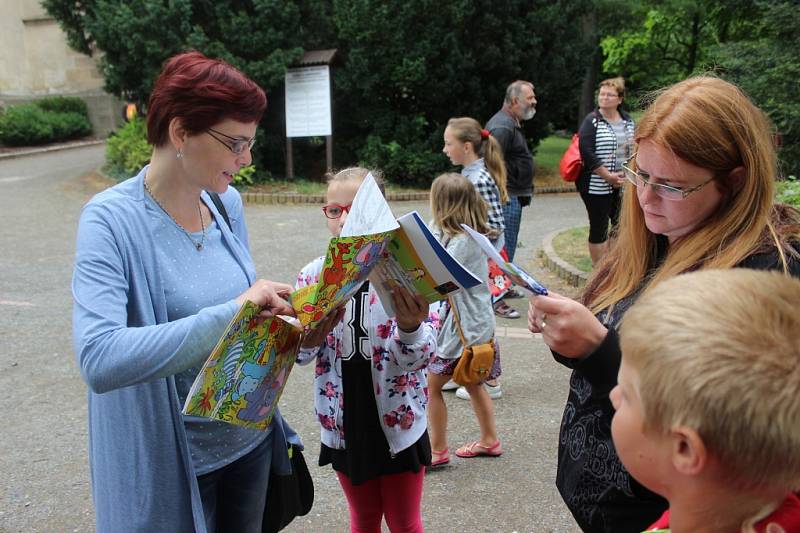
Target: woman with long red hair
{"x": 701, "y": 188}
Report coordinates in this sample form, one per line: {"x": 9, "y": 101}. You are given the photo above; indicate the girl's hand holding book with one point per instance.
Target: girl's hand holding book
{"x": 411, "y": 309}
{"x": 316, "y": 336}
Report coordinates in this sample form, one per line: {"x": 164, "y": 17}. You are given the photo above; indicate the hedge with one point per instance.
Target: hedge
{"x": 48, "y": 120}
{"x": 63, "y": 104}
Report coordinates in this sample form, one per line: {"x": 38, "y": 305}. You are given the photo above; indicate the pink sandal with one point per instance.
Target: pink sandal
{"x": 476, "y": 449}
{"x": 440, "y": 458}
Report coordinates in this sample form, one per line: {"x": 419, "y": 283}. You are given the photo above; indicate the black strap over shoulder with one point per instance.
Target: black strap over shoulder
{"x": 221, "y": 208}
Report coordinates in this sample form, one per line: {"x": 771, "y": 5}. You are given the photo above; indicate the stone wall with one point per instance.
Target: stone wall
{"x": 36, "y": 61}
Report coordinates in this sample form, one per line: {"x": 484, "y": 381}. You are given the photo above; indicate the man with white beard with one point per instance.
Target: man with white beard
{"x": 506, "y": 127}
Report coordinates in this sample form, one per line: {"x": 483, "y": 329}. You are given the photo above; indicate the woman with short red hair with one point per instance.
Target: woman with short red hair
{"x": 160, "y": 271}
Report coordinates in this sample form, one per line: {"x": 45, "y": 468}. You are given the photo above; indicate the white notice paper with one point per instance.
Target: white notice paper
{"x": 308, "y": 102}
{"x": 369, "y": 213}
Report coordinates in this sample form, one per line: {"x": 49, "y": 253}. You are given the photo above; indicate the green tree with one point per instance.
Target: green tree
{"x": 752, "y": 43}
{"x": 260, "y": 37}
{"x": 767, "y": 67}
{"x": 599, "y": 19}
{"x": 668, "y": 40}
{"x": 411, "y": 66}
{"x": 406, "y": 67}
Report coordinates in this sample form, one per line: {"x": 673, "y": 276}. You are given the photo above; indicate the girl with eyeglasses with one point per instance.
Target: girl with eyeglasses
{"x": 701, "y": 196}
{"x": 159, "y": 273}
{"x": 370, "y": 387}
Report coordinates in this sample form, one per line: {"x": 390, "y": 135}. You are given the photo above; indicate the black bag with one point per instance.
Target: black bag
{"x": 288, "y": 495}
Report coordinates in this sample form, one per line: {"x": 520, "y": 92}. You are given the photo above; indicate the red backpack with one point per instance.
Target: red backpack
{"x": 571, "y": 165}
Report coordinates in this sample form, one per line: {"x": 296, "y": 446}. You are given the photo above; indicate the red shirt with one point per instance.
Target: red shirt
{"x": 786, "y": 516}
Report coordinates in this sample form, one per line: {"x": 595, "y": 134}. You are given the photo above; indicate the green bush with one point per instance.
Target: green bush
{"x": 69, "y": 125}
{"x": 127, "y": 150}
{"x": 245, "y": 176}
{"x": 23, "y": 125}
{"x": 408, "y": 165}
{"x": 30, "y": 125}
{"x": 64, "y": 104}
{"x": 788, "y": 192}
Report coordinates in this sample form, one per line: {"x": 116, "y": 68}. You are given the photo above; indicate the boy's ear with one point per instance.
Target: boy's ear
{"x": 689, "y": 452}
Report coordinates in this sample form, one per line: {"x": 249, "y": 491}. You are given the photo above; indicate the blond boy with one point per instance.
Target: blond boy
{"x": 708, "y": 400}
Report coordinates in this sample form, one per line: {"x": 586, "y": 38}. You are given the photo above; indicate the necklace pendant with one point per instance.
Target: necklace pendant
{"x": 199, "y": 246}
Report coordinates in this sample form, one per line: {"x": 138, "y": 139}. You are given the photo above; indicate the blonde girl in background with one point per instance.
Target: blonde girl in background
{"x": 455, "y": 201}
{"x": 471, "y": 147}
{"x": 369, "y": 389}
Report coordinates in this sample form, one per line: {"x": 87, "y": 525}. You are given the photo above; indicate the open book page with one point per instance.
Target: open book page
{"x": 348, "y": 262}
{"x": 350, "y": 257}
{"x": 521, "y": 278}
{"x": 416, "y": 260}
{"x": 369, "y": 213}
{"x": 243, "y": 378}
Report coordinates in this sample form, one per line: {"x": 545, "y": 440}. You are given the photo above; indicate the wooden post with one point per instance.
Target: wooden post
{"x": 289, "y": 159}
{"x": 329, "y": 152}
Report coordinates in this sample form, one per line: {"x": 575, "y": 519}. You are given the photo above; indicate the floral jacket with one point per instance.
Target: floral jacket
{"x": 398, "y": 373}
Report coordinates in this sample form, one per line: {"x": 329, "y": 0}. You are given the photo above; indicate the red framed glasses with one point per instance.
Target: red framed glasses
{"x": 334, "y": 211}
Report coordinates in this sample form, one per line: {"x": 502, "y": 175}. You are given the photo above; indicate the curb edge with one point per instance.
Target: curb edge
{"x": 46, "y": 149}
{"x": 561, "y": 268}
{"x": 253, "y": 197}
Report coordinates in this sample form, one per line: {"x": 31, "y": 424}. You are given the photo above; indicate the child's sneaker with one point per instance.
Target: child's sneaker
{"x": 450, "y": 385}
{"x": 494, "y": 392}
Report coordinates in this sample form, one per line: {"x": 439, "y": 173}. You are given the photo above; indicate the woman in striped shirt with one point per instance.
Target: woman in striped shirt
{"x": 605, "y": 138}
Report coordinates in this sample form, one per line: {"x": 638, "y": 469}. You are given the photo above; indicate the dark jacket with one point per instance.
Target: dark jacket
{"x": 517, "y": 155}
{"x": 594, "y": 484}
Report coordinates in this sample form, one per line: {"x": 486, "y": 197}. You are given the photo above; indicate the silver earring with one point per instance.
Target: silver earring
{"x": 179, "y": 155}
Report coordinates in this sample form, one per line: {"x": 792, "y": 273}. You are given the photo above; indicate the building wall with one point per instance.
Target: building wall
{"x": 36, "y": 61}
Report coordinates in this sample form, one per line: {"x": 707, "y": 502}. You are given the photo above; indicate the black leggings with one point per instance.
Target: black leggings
{"x": 603, "y": 209}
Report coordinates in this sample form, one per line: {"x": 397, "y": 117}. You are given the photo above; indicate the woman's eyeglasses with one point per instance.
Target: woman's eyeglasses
{"x": 667, "y": 192}
{"x": 237, "y": 144}
{"x": 334, "y": 211}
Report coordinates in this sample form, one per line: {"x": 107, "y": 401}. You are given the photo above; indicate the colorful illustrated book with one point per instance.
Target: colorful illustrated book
{"x": 521, "y": 278}
{"x": 348, "y": 262}
{"x": 416, "y": 260}
{"x": 243, "y": 378}
{"x": 391, "y": 253}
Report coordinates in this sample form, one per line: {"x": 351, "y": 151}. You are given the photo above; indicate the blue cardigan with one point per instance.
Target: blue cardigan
{"x": 128, "y": 352}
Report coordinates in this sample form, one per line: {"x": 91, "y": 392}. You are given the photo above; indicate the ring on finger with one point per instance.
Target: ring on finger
{"x": 543, "y": 321}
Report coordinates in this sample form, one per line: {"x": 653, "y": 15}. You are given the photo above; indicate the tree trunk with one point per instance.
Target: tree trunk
{"x": 586, "y": 103}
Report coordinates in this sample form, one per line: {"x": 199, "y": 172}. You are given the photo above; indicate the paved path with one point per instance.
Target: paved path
{"x": 43, "y": 461}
